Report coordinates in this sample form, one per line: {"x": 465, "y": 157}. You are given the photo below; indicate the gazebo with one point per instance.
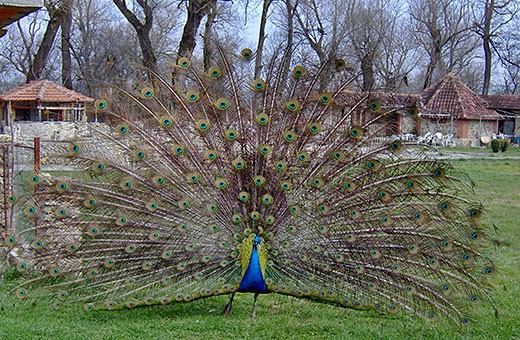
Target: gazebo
{"x": 42, "y": 100}
{"x": 452, "y": 108}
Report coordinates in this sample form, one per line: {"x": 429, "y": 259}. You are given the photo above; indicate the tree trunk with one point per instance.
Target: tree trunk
{"x": 66, "y": 23}
{"x": 142, "y": 30}
{"x": 486, "y": 42}
{"x": 286, "y": 62}
{"x": 367, "y": 69}
{"x": 197, "y": 9}
{"x": 212, "y": 12}
{"x": 40, "y": 59}
{"x": 261, "y": 39}
{"x": 435, "y": 56}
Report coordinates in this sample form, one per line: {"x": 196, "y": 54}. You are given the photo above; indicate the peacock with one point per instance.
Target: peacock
{"x": 224, "y": 183}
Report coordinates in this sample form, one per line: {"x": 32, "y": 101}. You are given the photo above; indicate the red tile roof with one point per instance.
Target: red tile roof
{"x": 44, "y": 91}
{"x": 450, "y": 96}
{"x": 505, "y": 102}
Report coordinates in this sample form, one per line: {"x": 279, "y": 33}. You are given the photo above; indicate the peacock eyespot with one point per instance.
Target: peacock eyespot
{"x": 396, "y": 146}
{"x": 298, "y": 71}
{"x": 147, "y": 92}
{"x": 259, "y": 84}
{"x": 184, "y": 63}
{"x": 325, "y": 99}
{"x": 374, "y": 105}
{"x": 100, "y": 104}
{"x": 246, "y": 54}
{"x": 215, "y": 71}
{"x": 193, "y": 96}
{"x": 166, "y": 122}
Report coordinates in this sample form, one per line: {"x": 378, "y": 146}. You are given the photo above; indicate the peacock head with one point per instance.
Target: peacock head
{"x": 256, "y": 242}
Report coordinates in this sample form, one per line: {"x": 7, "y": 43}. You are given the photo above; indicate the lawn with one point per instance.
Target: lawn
{"x": 279, "y": 317}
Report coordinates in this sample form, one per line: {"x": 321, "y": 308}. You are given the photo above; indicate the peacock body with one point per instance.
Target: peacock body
{"x": 267, "y": 185}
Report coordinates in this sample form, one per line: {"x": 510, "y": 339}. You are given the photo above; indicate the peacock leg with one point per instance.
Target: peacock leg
{"x": 227, "y": 309}
{"x": 253, "y": 315}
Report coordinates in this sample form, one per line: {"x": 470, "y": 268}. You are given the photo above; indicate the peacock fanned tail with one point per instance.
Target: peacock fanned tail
{"x": 167, "y": 204}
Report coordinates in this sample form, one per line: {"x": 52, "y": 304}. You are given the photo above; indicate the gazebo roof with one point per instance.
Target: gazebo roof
{"x": 44, "y": 91}
{"x": 450, "y": 96}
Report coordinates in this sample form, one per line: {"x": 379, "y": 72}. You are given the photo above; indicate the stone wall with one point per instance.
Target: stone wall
{"x": 473, "y": 128}
{"x": 52, "y": 134}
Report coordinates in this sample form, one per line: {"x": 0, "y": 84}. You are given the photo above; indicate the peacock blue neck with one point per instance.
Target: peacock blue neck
{"x": 253, "y": 280}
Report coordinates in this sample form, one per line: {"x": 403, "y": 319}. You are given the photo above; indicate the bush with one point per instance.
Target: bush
{"x": 498, "y": 145}
{"x": 495, "y": 145}
{"x": 505, "y": 144}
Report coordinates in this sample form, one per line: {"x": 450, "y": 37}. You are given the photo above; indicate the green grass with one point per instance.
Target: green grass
{"x": 280, "y": 317}
{"x": 485, "y": 152}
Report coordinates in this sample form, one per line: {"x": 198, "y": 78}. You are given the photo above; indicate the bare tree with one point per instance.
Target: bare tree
{"x": 261, "y": 38}
{"x": 66, "y": 59}
{"x": 142, "y": 27}
{"x": 55, "y": 11}
{"x": 369, "y": 20}
{"x": 196, "y": 11}
{"x": 443, "y": 28}
{"x": 398, "y": 54}
{"x": 489, "y": 23}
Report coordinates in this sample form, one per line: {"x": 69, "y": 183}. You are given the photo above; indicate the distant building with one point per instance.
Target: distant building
{"x": 42, "y": 100}
{"x": 452, "y": 108}
{"x": 509, "y": 107}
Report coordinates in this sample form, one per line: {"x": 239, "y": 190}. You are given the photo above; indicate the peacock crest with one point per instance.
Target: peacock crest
{"x": 277, "y": 179}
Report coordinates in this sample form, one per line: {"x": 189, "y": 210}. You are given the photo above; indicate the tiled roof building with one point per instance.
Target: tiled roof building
{"x": 42, "y": 100}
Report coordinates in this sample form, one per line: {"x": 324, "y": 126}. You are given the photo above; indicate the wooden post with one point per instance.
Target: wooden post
{"x": 37, "y": 165}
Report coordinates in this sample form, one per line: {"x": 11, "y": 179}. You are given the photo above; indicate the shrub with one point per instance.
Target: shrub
{"x": 505, "y": 144}
{"x": 495, "y": 145}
